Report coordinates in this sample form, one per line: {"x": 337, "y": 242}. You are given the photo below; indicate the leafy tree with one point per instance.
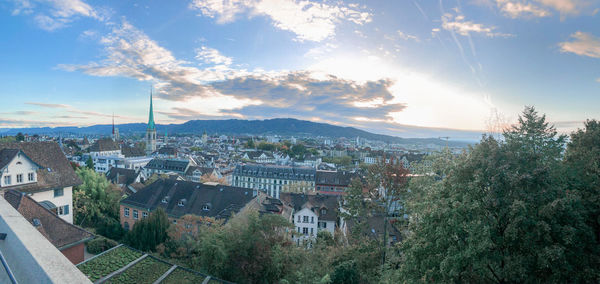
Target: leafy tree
{"x": 266, "y": 146}
{"x": 89, "y": 163}
{"x": 96, "y": 203}
{"x": 7, "y": 139}
{"x": 250, "y": 144}
{"x": 499, "y": 214}
{"x": 150, "y": 232}
{"x": 20, "y": 137}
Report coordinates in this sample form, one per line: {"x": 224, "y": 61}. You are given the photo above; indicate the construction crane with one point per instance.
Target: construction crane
{"x": 445, "y": 137}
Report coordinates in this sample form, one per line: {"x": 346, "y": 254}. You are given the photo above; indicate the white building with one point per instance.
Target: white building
{"x": 312, "y": 214}
{"x": 275, "y": 179}
{"x": 40, "y": 170}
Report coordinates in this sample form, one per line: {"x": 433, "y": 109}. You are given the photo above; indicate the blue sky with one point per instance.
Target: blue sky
{"x": 391, "y": 66}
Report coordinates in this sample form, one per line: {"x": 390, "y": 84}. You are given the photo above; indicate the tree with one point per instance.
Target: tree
{"x": 20, "y": 137}
{"x": 500, "y": 214}
{"x": 95, "y": 201}
{"x": 150, "y": 232}
{"x": 89, "y": 163}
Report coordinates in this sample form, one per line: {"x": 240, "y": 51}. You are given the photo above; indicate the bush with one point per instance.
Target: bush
{"x": 100, "y": 244}
{"x": 110, "y": 228}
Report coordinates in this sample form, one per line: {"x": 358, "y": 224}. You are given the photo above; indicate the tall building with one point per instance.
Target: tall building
{"x": 151, "y": 131}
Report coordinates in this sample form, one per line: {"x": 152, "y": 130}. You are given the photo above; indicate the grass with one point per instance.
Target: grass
{"x": 107, "y": 263}
{"x": 145, "y": 271}
{"x": 182, "y": 276}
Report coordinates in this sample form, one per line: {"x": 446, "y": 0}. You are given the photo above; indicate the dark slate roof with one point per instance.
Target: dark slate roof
{"x": 333, "y": 178}
{"x": 298, "y": 201}
{"x": 168, "y": 165}
{"x": 7, "y": 155}
{"x": 374, "y": 227}
{"x": 253, "y": 155}
{"x": 222, "y": 200}
{"x": 121, "y": 176}
{"x": 167, "y": 151}
{"x": 203, "y": 170}
{"x": 271, "y": 171}
{"x": 58, "y": 231}
{"x": 104, "y": 144}
{"x": 55, "y": 172}
{"x": 132, "y": 152}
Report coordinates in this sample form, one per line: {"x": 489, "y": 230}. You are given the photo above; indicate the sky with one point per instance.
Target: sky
{"x": 399, "y": 67}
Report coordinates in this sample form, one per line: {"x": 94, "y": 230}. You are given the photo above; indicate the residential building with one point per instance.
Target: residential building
{"x": 165, "y": 166}
{"x": 41, "y": 170}
{"x": 195, "y": 173}
{"x": 66, "y": 237}
{"x": 180, "y": 198}
{"x": 333, "y": 182}
{"x": 274, "y": 179}
{"x": 312, "y": 214}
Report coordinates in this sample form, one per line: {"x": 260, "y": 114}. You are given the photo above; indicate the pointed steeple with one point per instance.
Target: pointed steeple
{"x": 151, "y": 125}
{"x": 113, "y": 129}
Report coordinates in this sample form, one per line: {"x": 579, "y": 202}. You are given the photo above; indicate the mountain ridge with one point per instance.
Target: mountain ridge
{"x": 275, "y": 126}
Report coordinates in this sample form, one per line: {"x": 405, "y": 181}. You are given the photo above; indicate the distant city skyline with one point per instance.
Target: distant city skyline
{"x": 383, "y": 66}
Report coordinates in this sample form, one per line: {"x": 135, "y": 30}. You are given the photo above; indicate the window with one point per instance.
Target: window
{"x": 312, "y": 220}
{"x": 58, "y": 192}
{"x": 126, "y": 226}
{"x": 305, "y": 231}
{"x": 30, "y": 177}
{"x": 126, "y": 212}
{"x": 205, "y": 207}
{"x": 174, "y": 221}
{"x": 312, "y": 231}
{"x": 299, "y": 220}
{"x": 63, "y": 210}
{"x": 324, "y": 224}
{"x": 19, "y": 178}
{"x": 144, "y": 215}
{"x": 135, "y": 214}
{"x": 305, "y": 219}
{"x": 6, "y": 180}
{"x": 298, "y": 229}
{"x": 323, "y": 211}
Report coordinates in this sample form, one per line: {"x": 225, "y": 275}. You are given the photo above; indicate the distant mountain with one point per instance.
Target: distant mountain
{"x": 279, "y": 126}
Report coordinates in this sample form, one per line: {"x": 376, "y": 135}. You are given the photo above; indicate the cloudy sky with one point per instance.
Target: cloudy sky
{"x": 393, "y": 66}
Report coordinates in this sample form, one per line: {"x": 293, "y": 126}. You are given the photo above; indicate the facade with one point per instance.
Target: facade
{"x": 41, "y": 170}
{"x": 151, "y": 131}
{"x": 312, "y": 214}
{"x": 105, "y": 154}
{"x": 333, "y": 182}
{"x": 274, "y": 179}
{"x": 166, "y": 166}
{"x": 195, "y": 173}
{"x": 181, "y": 198}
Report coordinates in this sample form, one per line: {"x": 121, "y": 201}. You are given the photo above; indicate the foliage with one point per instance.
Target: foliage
{"x": 107, "y": 263}
{"x": 89, "y": 163}
{"x": 95, "y": 202}
{"x": 147, "y": 270}
{"x": 148, "y": 233}
{"x": 342, "y": 161}
{"x": 100, "y": 244}
{"x": 7, "y": 139}
{"x": 499, "y": 214}
{"x": 250, "y": 144}
{"x": 181, "y": 276}
{"x": 20, "y": 137}
{"x": 265, "y": 146}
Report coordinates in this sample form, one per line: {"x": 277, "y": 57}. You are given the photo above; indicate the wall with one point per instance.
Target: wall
{"x": 30, "y": 256}
{"x": 74, "y": 253}
{"x": 66, "y": 199}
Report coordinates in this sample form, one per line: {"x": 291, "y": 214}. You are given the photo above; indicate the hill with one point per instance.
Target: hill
{"x": 279, "y": 126}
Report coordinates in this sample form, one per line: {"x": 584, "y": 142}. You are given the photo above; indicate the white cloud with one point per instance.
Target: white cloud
{"x": 406, "y": 36}
{"x": 55, "y": 14}
{"x": 515, "y": 9}
{"x": 541, "y": 8}
{"x": 462, "y": 27}
{"x": 308, "y": 20}
{"x": 212, "y": 56}
{"x": 583, "y": 44}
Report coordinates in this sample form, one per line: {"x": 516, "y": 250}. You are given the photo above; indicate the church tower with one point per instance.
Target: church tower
{"x": 151, "y": 131}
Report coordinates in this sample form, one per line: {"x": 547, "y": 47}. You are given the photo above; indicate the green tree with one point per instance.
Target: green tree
{"x": 95, "y": 201}
{"x": 150, "y": 232}
{"x": 499, "y": 214}
{"x": 250, "y": 144}
{"x": 20, "y": 137}
{"x": 89, "y": 163}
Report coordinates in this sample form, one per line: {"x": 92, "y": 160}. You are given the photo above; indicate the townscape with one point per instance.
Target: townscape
{"x": 299, "y": 141}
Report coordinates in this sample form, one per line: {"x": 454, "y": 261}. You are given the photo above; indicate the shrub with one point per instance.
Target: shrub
{"x": 100, "y": 244}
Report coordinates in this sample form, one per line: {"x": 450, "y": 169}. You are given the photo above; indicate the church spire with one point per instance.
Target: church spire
{"x": 113, "y": 129}
{"x": 151, "y": 125}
